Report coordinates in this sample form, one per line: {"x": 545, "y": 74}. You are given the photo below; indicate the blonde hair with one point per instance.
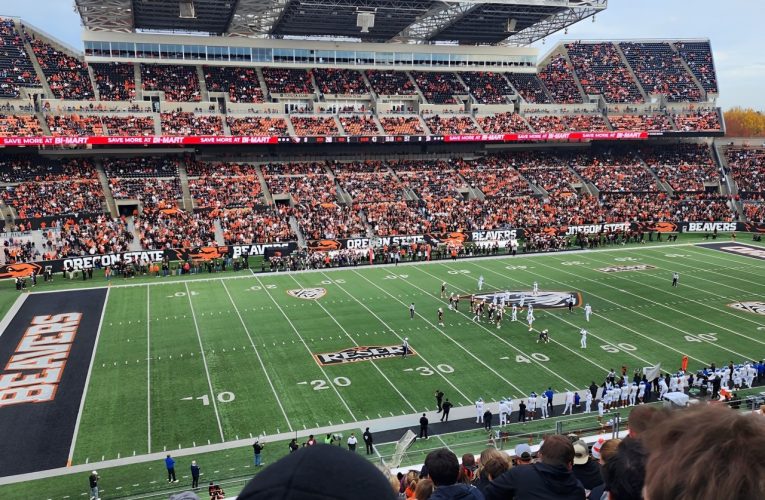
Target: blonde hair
{"x": 424, "y": 489}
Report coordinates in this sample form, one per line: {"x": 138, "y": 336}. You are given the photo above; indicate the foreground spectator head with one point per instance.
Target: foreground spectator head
{"x": 444, "y": 469}
{"x": 313, "y": 471}
{"x": 523, "y": 454}
{"x": 624, "y": 473}
{"x": 705, "y": 453}
{"x": 640, "y": 420}
{"x": 586, "y": 469}
{"x": 557, "y": 451}
{"x": 424, "y": 489}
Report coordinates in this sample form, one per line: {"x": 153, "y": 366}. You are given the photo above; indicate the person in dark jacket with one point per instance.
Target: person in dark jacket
{"x": 586, "y": 469}
{"x": 423, "y": 427}
{"x": 194, "y": 474}
{"x": 170, "y": 465}
{"x": 444, "y": 470}
{"x": 549, "y": 478}
{"x": 368, "y": 441}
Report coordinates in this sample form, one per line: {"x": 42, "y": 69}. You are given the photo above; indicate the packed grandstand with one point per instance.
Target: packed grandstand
{"x": 604, "y": 132}
{"x": 191, "y": 146}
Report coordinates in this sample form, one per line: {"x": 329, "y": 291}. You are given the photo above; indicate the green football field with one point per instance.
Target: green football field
{"x": 183, "y": 363}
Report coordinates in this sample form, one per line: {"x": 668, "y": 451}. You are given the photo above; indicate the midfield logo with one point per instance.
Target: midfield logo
{"x": 361, "y": 353}
{"x": 622, "y": 269}
{"x": 752, "y": 307}
{"x": 543, "y": 300}
{"x": 308, "y": 293}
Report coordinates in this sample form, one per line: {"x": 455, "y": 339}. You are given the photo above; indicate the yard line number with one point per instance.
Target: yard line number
{"x": 320, "y": 384}
{"x": 701, "y": 337}
{"x": 614, "y": 348}
{"x": 537, "y": 356}
{"x": 426, "y": 371}
{"x": 222, "y": 397}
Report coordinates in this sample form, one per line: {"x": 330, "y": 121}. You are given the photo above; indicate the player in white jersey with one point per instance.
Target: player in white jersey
{"x": 625, "y": 395}
{"x": 543, "y": 405}
{"x": 440, "y": 316}
{"x": 476, "y": 312}
{"x": 749, "y": 373}
{"x": 633, "y": 393}
{"x": 531, "y": 408}
{"x": 523, "y": 300}
{"x": 583, "y": 339}
{"x": 479, "y": 411}
{"x": 606, "y": 398}
{"x": 530, "y": 310}
{"x": 499, "y": 315}
{"x": 451, "y": 301}
{"x": 587, "y": 312}
{"x": 587, "y": 402}
{"x": 616, "y": 394}
{"x": 503, "y": 412}
{"x": 514, "y": 313}
{"x": 569, "y": 403}
{"x": 601, "y": 410}
{"x": 480, "y": 283}
{"x": 530, "y": 320}
{"x": 535, "y": 289}
{"x": 641, "y": 392}
{"x": 443, "y": 290}
{"x": 737, "y": 378}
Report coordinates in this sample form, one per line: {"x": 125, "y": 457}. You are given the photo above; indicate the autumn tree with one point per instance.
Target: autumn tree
{"x": 740, "y": 122}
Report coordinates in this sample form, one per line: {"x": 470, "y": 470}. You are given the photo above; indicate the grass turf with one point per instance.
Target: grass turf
{"x": 184, "y": 363}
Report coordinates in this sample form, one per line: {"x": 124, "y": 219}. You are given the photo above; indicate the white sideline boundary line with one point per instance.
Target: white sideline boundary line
{"x": 204, "y": 359}
{"x": 324, "y": 373}
{"x": 260, "y": 360}
{"x": 12, "y": 311}
{"x": 389, "y": 328}
{"x": 87, "y": 381}
{"x": 375, "y": 266}
{"x": 148, "y": 370}
{"x": 332, "y": 317}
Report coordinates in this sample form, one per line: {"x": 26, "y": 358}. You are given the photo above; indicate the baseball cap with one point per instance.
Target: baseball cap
{"x": 95, "y": 472}
{"x": 581, "y": 453}
{"x": 523, "y": 451}
{"x": 596, "y": 447}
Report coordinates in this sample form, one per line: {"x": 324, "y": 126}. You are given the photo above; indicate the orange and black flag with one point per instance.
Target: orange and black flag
{"x": 684, "y": 363}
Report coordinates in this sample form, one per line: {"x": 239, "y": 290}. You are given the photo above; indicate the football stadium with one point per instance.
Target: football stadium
{"x": 367, "y": 249}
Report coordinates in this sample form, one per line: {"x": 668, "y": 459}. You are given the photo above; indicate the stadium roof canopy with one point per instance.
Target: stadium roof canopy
{"x": 510, "y": 22}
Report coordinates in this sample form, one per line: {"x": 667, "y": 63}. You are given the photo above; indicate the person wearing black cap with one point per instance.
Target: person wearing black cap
{"x": 317, "y": 473}
{"x": 423, "y": 427}
{"x": 444, "y": 470}
{"x": 368, "y": 441}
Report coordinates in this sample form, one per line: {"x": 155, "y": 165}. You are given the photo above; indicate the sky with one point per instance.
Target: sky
{"x": 733, "y": 26}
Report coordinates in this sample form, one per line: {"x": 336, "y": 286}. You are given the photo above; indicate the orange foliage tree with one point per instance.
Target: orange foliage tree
{"x": 740, "y": 122}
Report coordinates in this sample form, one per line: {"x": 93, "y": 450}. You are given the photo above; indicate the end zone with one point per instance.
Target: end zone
{"x": 45, "y": 355}
{"x": 736, "y": 249}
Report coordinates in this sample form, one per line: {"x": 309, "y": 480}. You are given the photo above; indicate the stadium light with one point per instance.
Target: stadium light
{"x": 365, "y": 20}
{"x": 187, "y": 10}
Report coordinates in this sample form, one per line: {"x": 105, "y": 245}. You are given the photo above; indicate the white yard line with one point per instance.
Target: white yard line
{"x": 435, "y": 327}
{"x": 12, "y": 311}
{"x": 614, "y": 322}
{"x": 260, "y": 360}
{"x": 324, "y": 373}
{"x": 589, "y": 333}
{"x": 700, "y": 303}
{"x": 87, "y": 381}
{"x": 390, "y": 329}
{"x": 332, "y": 317}
{"x": 534, "y": 329}
{"x": 729, "y": 256}
{"x": 650, "y": 318}
{"x": 148, "y": 369}
{"x": 569, "y": 384}
{"x": 213, "y": 399}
